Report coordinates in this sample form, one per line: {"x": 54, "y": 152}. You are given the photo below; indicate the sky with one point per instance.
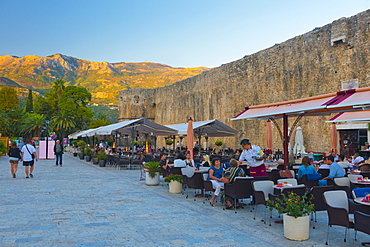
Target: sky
{"x": 179, "y": 33}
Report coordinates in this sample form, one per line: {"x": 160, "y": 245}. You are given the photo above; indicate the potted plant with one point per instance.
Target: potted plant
{"x": 169, "y": 142}
{"x": 74, "y": 143}
{"x": 88, "y": 154}
{"x": 175, "y": 183}
{"x": 82, "y": 146}
{"x": 95, "y": 159}
{"x": 152, "y": 171}
{"x": 102, "y": 158}
{"x": 296, "y": 218}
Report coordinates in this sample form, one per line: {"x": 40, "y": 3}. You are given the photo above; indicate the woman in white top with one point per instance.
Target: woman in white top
{"x": 179, "y": 161}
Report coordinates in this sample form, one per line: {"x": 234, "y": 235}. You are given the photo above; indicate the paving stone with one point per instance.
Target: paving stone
{"x": 80, "y": 204}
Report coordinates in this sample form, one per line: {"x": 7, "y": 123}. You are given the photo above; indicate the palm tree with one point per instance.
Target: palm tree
{"x": 62, "y": 122}
{"x": 31, "y": 123}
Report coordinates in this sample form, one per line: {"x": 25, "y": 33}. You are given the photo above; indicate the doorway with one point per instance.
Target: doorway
{"x": 348, "y": 142}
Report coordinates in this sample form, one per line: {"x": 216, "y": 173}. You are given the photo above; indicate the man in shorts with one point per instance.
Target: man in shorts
{"x": 28, "y": 161}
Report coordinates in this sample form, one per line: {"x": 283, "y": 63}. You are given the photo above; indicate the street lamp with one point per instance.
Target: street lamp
{"x": 46, "y": 123}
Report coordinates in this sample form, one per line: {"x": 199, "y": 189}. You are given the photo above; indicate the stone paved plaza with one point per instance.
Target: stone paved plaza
{"x": 81, "y": 204}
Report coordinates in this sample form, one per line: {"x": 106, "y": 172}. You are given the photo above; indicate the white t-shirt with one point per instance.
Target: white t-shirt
{"x": 357, "y": 160}
{"x": 247, "y": 155}
{"x": 179, "y": 163}
{"x": 344, "y": 164}
{"x": 27, "y": 155}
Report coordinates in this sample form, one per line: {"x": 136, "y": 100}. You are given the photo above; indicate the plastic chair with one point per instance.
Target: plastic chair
{"x": 360, "y": 192}
{"x": 292, "y": 181}
{"x": 343, "y": 184}
{"x": 338, "y": 211}
{"x": 261, "y": 191}
{"x": 241, "y": 188}
{"x": 362, "y": 224}
{"x": 318, "y": 199}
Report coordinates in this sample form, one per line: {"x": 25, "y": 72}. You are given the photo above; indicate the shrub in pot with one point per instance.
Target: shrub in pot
{"x": 152, "y": 171}
{"x": 175, "y": 183}
{"x": 296, "y": 218}
{"x": 102, "y": 157}
{"x": 88, "y": 154}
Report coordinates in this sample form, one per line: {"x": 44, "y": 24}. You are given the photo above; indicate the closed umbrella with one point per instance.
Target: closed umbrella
{"x": 333, "y": 138}
{"x": 298, "y": 146}
{"x": 269, "y": 137}
{"x": 190, "y": 137}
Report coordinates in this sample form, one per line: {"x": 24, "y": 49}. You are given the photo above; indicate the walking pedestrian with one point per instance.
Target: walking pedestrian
{"x": 58, "y": 151}
{"x": 14, "y": 156}
{"x": 29, "y": 156}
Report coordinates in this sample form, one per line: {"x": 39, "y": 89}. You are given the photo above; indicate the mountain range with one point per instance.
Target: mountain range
{"x": 104, "y": 80}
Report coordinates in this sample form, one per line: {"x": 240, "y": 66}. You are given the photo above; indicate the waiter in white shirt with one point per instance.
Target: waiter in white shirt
{"x": 256, "y": 164}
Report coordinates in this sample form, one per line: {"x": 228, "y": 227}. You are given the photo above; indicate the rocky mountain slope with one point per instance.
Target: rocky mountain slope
{"x": 104, "y": 80}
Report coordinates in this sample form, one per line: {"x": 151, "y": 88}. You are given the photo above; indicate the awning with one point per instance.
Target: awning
{"x": 211, "y": 128}
{"x": 312, "y": 106}
{"x": 361, "y": 99}
{"x": 82, "y": 133}
{"x": 354, "y": 116}
{"x": 141, "y": 125}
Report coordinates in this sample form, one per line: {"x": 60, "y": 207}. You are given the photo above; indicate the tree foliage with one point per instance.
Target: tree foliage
{"x": 9, "y": 99}
{"x": 98, "y": 123}
{"x": 29, "y": 102}
{"x": 73, "y": 102}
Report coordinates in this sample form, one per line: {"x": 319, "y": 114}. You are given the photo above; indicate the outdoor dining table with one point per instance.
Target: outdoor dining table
{"x": 361, "y": 200}
{"x": 362, "y": 183}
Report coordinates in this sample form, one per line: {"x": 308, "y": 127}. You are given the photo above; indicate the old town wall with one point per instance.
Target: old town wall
{"x": 314, "y": 63}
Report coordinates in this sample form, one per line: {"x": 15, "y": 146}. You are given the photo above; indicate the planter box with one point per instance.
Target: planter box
{"x": 82, "y": 156}
{"x": 296, "y": 228}
{"x": 74, "y": 154}
{"x": 175, "y": 187}
{"x": 88, "y": 158}
{"x": 151, "y": 181}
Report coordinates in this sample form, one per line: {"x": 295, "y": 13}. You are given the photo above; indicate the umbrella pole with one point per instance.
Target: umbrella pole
{"x": 285, "y": 141}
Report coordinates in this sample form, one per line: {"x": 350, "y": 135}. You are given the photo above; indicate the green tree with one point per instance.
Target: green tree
{"x": 62, "y": 122}
{"x": 73, "y": 102}
{"x": 54, "y": 94}
{"x": 9, "y": 99}
{"x": 32, "y": 123}
{"x": 98, "y": 122}
{"x": 41, "y": 106}
{"x": 29, "y": 103}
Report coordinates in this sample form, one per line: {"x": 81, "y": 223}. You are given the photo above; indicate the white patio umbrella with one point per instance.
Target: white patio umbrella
{"x": 298, "y": 146}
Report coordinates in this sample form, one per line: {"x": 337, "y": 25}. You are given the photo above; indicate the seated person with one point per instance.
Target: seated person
{"x": 342, "y": 162}
{"x": 367, "y": 146}
{"x": 334, "y": 153}
{"x": 189, "y": 161}
{"x": 164, "y": 164}
{"x": 229, "y": 177}
{"x": 215, "y": 176}
{"x": 323, "y": 165}
{"x": 119, "y": 151}
{"x": 357, "y": 159}
{"x": 205, "y": 161}
{"x": 179, "y": 161}
{"x": 336, "y": 171}
{"x": 306, "y": 168}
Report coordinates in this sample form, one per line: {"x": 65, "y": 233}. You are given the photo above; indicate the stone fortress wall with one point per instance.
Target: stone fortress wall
{"x": 310, "y": 64}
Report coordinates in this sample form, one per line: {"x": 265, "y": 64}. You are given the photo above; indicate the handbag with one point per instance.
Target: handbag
{"x": 32, "y": 155}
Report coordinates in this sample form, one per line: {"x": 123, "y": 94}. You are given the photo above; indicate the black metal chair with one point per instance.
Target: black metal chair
{"x": 324, "y": 172}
